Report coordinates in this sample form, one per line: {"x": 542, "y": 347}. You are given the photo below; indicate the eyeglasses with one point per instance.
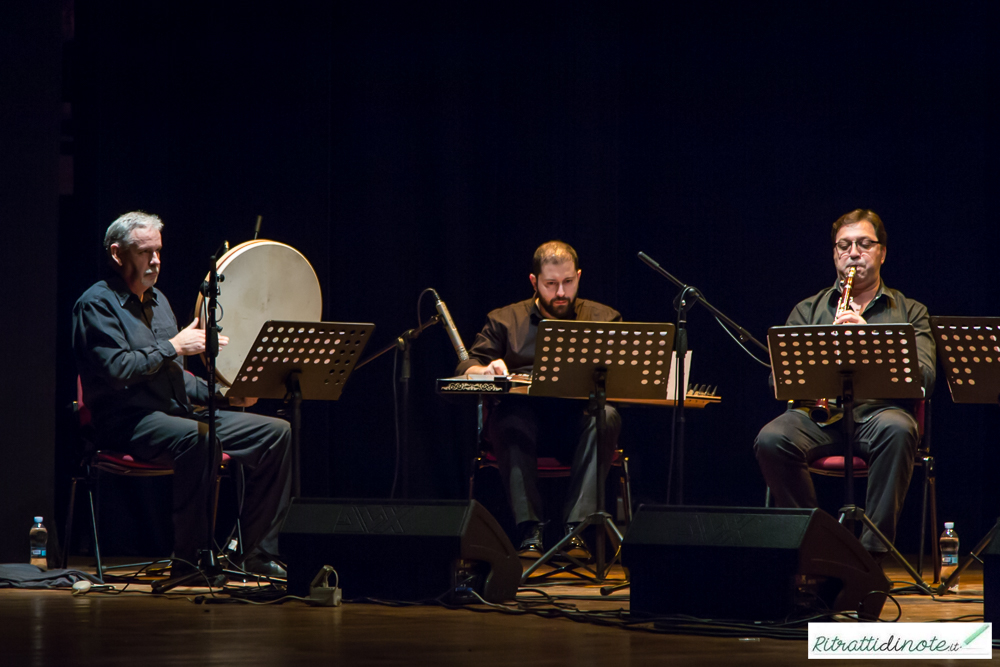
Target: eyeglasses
{"x": 864, "y": 244}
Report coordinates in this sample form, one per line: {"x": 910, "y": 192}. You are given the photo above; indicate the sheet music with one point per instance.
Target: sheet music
{"x": 672, "y": 378}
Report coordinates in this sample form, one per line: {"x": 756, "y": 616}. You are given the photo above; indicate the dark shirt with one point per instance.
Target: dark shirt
{"x": 889, "y": 306}
{"x": 127, "y": 365}
{"x": 510, "y": 333}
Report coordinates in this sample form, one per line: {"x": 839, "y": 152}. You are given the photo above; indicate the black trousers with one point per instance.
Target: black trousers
{"x": 260, "y": 445}
{"x": 519, "y": 428}
{"x": 888, "y": 441}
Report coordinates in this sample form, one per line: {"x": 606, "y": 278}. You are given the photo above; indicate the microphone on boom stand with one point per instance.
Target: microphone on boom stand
{"x": 449, "y": 325}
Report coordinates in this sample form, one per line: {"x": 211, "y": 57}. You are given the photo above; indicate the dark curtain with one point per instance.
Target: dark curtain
{"x": 404, "y": 148}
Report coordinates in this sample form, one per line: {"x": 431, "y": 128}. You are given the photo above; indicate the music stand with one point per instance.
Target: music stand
{"x": 603, "y": 361}
{"x": 876, "y": 361}
{"x": 969, "y": 350}
{"x": 299, "y": 361}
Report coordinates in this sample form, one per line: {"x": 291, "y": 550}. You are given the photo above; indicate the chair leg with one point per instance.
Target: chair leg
{"x": 627, "y": 490}
{"x": 93, "y": 523}
{"x": 932, "y": 493}
{"x": 923, "y": 519}
{"x": 68, "y": 533}
{"x": 215, "y": 504}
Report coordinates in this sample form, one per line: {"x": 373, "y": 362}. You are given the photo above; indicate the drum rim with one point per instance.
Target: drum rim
{"x": 221, "y": 265}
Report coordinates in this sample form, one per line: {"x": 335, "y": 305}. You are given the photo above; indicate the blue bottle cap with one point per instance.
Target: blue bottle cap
{"x": 38, "y": 519}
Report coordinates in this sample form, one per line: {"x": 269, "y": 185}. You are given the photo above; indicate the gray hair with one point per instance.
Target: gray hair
{"x": 120, "y": 231}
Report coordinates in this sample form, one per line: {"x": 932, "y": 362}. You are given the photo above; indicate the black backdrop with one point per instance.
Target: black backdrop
{"x": 400, "y": 148}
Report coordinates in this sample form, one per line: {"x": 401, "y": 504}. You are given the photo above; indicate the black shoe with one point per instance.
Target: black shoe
{"x": 576, "y": 547}
{"x": 264, "y": 567}
{"x": 531, "y": 542}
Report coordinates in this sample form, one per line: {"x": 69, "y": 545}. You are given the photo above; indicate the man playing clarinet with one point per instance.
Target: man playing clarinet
{"x": 886, "y": 432}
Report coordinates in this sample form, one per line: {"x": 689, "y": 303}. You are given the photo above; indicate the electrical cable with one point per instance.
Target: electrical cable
{"x": 740, "y": 343}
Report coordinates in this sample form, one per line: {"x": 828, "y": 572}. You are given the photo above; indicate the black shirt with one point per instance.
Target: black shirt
{"x": 127, "y": 365}
{"x": 510, "y": 333}
{"x": 888, "y": 306}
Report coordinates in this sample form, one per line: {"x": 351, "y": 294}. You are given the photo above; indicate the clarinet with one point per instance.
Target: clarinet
{"x": 820, "y": 412}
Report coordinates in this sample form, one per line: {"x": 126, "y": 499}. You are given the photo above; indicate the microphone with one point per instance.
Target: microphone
{"x": 649, "y": 261}
{"x": 256, "y": 229}
{"x": 449, "y": 325}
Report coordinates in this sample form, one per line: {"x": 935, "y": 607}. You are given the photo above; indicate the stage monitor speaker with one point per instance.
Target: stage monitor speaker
{"x": 748, "y": 564}
{"x": 991, "y": 581}
{"x": 400, "y": 550}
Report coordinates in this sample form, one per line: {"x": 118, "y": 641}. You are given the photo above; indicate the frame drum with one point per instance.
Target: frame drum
{"x": 264, "y": 280}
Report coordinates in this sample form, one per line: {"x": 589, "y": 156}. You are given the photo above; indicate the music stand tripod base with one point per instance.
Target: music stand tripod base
{"x": 875, "y": 361}
{"x": 605, "y": 360}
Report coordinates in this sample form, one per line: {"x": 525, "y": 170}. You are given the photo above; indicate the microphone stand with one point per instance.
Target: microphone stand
{"x": 209, "y": 568}
{"x": 687, "y": 298}
{"x": 402, "y": 343}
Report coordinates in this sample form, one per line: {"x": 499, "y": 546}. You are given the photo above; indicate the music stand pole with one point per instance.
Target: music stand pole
{"x": 208, "y": 566}
{"x": 573, "y": 359}
{"x": 599, "y": 518}
{"x": 682, "y": 303}
{"x": 847, "y": 397}
{"x": 295, "y": 398}
{"x": 598, "y": 400}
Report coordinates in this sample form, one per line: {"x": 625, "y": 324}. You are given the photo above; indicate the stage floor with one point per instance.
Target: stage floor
{"x": 56, "y": 628}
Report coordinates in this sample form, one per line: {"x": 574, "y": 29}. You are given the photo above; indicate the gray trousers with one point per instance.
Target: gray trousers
{"x": 262, "y": 447}
{"x": 519, "y": 428}
{"x": 888, "y": 441}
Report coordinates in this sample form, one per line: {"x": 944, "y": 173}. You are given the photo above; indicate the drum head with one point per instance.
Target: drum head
{"x": 264, "y": 280}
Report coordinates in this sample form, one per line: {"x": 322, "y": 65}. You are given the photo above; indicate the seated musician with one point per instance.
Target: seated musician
{"x": 130, "y": 356}
{"x": 886, "y": 431}
{"x": 519, "y": 427}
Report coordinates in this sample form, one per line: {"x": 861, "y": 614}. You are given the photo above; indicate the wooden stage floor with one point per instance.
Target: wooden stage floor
{"x": 56, "y": 628}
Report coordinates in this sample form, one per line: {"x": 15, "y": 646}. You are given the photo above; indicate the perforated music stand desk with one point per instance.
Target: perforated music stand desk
{"x": 635, "y": 354}
{"x": 875, "y": 361}
{"x": 809, "y": 361}
{"x": 300, "y": 361}
{"x": 605, "y": 361}
{"x": 969, "y": 350}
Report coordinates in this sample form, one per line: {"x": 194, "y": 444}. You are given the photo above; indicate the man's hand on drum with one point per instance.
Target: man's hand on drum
{"x": 191, "y": 340}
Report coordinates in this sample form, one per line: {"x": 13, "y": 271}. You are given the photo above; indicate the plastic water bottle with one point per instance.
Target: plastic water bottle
{"x": 39, "y": 537}
{"x": 949, "y": 553}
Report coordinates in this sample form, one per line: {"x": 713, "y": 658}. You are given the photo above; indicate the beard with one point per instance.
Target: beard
{"x": 558, "y": 310}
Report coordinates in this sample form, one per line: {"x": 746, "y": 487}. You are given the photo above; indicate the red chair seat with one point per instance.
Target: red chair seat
{"x": 834, "y": 465}
{"x": 126, "y": 461}
{"x": 125, "y": 464}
